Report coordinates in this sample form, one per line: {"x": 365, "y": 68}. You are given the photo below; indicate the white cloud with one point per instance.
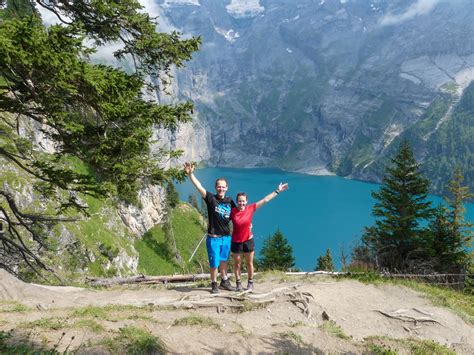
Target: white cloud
{"x": 151, "y": 7}
{"x": 419, "y": 8}
{"x": 106, "y": 53}
{"x": 48, "y": 17}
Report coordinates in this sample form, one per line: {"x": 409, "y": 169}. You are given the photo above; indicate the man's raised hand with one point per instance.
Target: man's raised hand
{"x": 189, "y": 168}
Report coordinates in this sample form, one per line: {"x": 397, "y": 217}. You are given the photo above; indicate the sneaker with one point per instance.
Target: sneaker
{"x": 250, "y": 286}
{"x": 214, "y": 288}
{"x": 238, "y": 286}
{"x": 226, "y": 285}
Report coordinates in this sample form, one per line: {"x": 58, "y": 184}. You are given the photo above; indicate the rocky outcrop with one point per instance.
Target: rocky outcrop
{"x": 150, "y": 211}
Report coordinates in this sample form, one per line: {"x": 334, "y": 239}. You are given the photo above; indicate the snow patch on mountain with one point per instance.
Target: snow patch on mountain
{"x": 169, "y": 3}
{"x": 244, "y": 8}
{"x": 229, "y": 35}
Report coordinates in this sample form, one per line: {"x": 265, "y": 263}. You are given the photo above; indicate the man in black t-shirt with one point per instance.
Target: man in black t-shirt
{"x": 218, "y": 232}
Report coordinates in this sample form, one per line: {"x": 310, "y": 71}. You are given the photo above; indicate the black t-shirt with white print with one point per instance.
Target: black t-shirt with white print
{"x": 218, "y": 211}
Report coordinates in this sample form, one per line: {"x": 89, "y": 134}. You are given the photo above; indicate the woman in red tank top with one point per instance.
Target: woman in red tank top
{"x": 242, "y": 237}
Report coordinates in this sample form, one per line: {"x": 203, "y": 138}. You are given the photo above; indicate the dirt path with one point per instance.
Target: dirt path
{"x": 310, "y": 316}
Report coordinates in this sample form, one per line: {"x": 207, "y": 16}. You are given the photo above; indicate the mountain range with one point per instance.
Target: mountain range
{"x": 328, "y": 87}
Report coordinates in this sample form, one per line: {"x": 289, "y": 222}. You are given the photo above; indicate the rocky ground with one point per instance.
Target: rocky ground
{"x": 289, "y": 315}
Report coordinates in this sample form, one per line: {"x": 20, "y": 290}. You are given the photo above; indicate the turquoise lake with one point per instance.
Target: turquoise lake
{"x": 315, "y": 213}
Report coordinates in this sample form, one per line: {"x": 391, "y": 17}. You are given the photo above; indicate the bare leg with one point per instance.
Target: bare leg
{"x": 249, "y": 263}
{"x": 223, "y": 269}
{"x": 213, "y": 274}
{"x": 237, "y": 261}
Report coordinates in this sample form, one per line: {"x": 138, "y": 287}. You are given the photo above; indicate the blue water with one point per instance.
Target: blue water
{"x": 315, "y": 213}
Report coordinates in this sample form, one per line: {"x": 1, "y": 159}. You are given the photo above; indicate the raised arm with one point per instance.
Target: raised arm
{"x": 282, "y": 187}
{"x": 189, "y": 169}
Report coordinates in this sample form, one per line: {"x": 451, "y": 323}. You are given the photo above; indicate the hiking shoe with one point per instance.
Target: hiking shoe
{"x": 250, "y": 286}
{"x": 226, "y": 285}
{"x": 214, "y": 288}
{"x": 238, "y": 286}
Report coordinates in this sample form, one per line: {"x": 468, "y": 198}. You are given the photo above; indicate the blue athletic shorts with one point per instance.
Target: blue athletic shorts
{"x": 218, "y": 249}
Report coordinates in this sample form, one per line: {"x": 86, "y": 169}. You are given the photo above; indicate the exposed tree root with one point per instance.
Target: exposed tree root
{"x": 241, "y": 302}
{"x": 401, "y": 315}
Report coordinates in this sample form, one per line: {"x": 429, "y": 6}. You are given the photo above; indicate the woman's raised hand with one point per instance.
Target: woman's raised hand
{"x": 282, "y": 187}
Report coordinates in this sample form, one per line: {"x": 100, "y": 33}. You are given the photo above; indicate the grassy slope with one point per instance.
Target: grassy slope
{"x": 155, "y": 258}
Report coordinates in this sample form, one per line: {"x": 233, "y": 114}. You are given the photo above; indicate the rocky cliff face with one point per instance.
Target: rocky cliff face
{"x": 326, "y": 86}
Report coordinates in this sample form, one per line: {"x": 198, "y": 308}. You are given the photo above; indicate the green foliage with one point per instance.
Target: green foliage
{"x": 9, "y": 346}
{"x": 88, "y": 324}
{"x": 16, "y": 8}
{"x": 96, "y": 113}
{"x": 134, "y": 340}
{"x": 197, "y": 320}
{"x": 172, "y": 196}
{"x": 325, "y": 262}
{"x": 450, "y": 235}
{"x": 199, "y": 206}
{"x": 332, "y": 328}
{"x": 377, "y": 349}
{"x": 154, "y": 254}
{"x": 16, "y": 308}
{"x": 112, "y": 313}
{"x": 47, "y": 323}
{"x": 203, "y": 209}
{"x": 276, "y": 253}
{"x": 296, "y": 338}
{"x": 388, "y": 346}
{"x": 155, "y": 257}
{"x": 397, "y": 239}
{"x": 91, "y": 112}
{"x": 469, "y": 283}
{"x": 192, "y": 200}
{"x": 91, "y": 312}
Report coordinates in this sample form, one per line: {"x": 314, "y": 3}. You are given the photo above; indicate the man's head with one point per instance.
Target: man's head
{"x": 221, "y": 187}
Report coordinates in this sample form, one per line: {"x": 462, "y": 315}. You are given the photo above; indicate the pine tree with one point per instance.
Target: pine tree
{"x": 276, "y": 253}
{"x": 450, "y": 234}
{"x": 440, "y": 237}
{"x": 203, "y": 209}
{"x": 193, "y": 201}
{"x": 325, "y": 262}
{"x": 461, "y": 229}
{"x": 172, "y": 196}
{"x": 398, "y": 237}
{"x": 96, "y": 115}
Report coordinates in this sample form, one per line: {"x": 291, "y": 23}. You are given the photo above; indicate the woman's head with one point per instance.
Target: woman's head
{"x": 242, "y": 200}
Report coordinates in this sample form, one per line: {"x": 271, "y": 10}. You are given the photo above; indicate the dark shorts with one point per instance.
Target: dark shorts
{"x": 245, "y": 247}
